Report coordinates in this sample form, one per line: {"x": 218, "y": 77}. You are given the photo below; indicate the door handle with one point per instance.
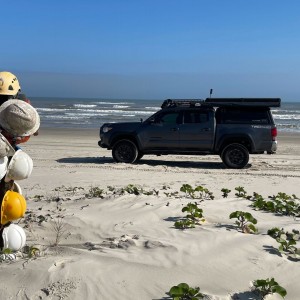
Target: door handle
{"x": 174, "y": 129}
{"x": 205, "y": 129}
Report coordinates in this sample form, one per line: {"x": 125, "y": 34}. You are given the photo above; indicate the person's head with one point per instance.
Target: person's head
{"x": 9, "y": 86}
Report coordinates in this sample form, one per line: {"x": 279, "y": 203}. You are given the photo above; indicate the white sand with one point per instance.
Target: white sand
{"x": 126, "y": 246}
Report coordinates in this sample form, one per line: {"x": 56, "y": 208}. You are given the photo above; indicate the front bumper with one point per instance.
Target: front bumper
{"x": 101, "y": 144}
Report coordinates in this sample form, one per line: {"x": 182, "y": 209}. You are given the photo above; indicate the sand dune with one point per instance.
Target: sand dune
{"x": 125, "y": 246}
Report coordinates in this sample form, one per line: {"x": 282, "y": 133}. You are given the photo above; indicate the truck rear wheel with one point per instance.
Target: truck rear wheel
{"x": 125, "y": 151}
{"x": 235, "y": 156}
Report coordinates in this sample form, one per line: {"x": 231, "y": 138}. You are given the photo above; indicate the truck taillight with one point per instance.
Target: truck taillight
{"x": 274, "y": 133}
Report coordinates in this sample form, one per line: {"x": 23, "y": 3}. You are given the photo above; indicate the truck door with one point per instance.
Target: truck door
{"x": 161, "y": 132}
{"x": 197, "y": 130}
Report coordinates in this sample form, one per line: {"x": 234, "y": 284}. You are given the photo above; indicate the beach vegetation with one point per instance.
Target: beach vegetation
{"x": 225, "y": 192}
{"x": 185, "y": 224}
{"x": 241, "y": 193}
{"x": 199, "y": 192}
{"x": 183, "y": 291}
{"x": 59, "y": 229}
{"x": 287, "y": 240}
{"x": 275, "y": 232}
{"x": 193, "y": 211}
{"x": 30, "y": 251}
{"x": 281, "y": 204}
{"x": 245, "y": 221}
{"x": 171, "y": 194}
{"x": 95, "y": 192}
{"x": 71, "y": 189}
{"x": 38, "y": 197}
{"x": 133, "y": 190}
{"x": 194, "y": 216}
{"x": 32, "y": 217}
{"x": 265, "y": 287}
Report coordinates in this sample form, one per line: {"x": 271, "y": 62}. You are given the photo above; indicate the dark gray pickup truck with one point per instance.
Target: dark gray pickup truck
{"x": 232, "y": 128}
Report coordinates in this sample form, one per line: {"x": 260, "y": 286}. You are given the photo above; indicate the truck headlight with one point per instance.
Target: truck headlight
{"x": 106, "y": 129}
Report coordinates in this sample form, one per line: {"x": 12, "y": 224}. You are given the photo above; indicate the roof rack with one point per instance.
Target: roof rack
{"x": 182, "y": 102}
{"x": 222, "y": 102}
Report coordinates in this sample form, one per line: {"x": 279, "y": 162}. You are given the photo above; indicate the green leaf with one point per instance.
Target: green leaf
{"x": 279, "y": 290}
{"x": 234, "y": 215}
{"x": 292, "y": 242}
{"x": 259, "y": 283}
{"x": 252, "y": 227}
{"x": 185, "y": 209}
{"x": 272, "y": 281}
{"x": 7, "y": 251}
{"x": 199, "y": 188}
{"x": 176, "y": 291}
{"x": 183, "y": 285}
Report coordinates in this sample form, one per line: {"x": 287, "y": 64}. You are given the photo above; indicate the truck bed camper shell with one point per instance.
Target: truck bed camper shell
{"x": 223, "y": 102}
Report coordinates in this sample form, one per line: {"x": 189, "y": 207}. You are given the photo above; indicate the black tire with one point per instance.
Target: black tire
{"x": 235, "y": 156}
{"x": 140, "y": 155}
{"x": 125, "y": 151}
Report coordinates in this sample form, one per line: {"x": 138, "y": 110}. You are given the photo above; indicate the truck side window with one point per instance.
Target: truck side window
{"x": 168, "y": 118}
{"x": 192, "y": 117}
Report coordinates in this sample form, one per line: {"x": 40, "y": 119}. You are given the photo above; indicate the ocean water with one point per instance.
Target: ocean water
{"x": 92, "y": 113}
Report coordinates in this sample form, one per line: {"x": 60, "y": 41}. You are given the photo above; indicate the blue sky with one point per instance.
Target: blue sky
{"x": 153, "y": 49}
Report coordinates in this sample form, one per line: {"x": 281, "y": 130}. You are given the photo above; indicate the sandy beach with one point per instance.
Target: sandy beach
{"x": 119, "y": 245}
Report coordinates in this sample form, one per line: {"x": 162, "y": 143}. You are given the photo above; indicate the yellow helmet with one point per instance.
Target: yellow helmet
{"x": 13, "y": 207}
{"x": 9, "y": 84}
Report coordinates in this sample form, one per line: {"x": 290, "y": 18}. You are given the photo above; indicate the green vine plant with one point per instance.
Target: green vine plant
{"x": 194, "y": 217}
{"x": 30, "y": 252}
{"x": 225, "y": 192}
{"x": 287, "y": 240}
{"x": 71, "y": 189}
{"x": 172, "y": 194}
{"x": 183, "y": 291}
{"x": 281, "y": 204}
{"x": 132, "y": 189}
{"x": 241, "y": 193}
{"x": 245, "y": 221}
{"x": 199, "y": 192}
{"x": 95, "y": 192}
{"x": 265, "y": 287}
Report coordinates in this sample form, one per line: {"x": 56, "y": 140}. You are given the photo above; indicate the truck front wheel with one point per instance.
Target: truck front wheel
{"x": 235, "y": 156}
{"x": 125, "y": 151}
